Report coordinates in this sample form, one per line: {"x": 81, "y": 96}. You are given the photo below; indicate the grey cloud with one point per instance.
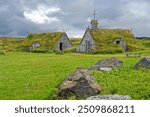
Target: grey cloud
{"x": 74, "y": 14}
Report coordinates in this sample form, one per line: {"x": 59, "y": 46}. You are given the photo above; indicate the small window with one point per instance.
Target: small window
{"x": 117, "y": 42}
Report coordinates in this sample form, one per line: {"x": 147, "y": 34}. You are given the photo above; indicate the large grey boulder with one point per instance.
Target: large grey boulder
{"x": 107, "y": 64}
{"x": 79, "y": 83}
{"x": 110, "y": 97}
{"x": 144, "y": 62}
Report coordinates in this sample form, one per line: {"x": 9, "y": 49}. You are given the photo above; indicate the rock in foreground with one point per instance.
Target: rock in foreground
{"x": 144, "y": 62}
{"x": 110, "y": 97}
{"x": 107, "y": 64}
{"x": 79, "y": 83}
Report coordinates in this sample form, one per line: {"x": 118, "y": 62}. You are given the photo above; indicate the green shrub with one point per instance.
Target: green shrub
{"x": 57, "y": 51}
{"x": 39, "y": 50}
{"x": 133, "y": 47}
{"x": 10, "y": 44}
{"x": 2, "y": 52}
{"x": 145, "y": 42}
{"x": 30, "y": 36}
{"x": 68, "y": 50}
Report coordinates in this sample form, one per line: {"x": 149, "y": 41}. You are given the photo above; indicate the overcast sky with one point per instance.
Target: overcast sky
{"x": 19, "y": 17}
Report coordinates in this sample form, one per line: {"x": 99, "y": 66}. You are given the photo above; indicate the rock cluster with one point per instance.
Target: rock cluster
{"x": 110, "y": 97}
{"x": 79, "y": 83}
{"x": 107, "y": 64}
{"x": 144, "y": 62}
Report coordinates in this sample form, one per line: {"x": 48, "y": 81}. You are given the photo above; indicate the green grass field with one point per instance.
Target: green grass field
{"x": 38, "y": 76}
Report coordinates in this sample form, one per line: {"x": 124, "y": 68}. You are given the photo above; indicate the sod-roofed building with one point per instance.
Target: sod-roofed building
{"x": 107, "y": 40}
{"x": 48, "y": 41}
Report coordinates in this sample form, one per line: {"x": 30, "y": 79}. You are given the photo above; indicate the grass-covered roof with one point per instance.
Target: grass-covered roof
{"x": 47, "y": 40}
{"x": 104, "y": 39}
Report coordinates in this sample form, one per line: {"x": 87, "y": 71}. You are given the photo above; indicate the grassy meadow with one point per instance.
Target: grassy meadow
{"x": 38, "y": 75}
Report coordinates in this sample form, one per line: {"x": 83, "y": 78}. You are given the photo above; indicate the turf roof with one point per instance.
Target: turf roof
{"x": 104, "y": 38}
{"x": 50, "y": 38}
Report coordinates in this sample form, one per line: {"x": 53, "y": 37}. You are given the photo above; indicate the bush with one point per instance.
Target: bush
{"x": 39, "y": 50}
{"x": 57, "y": 51}
{"x": 106, "y": 51}
{"x": 10, "y": 44}
{"x": 133, "y": 47}
{"x": 145, "y": 42}
{"x": 68, "y": 50}
{"x": 109, "y": 49}
{"x": 30, "y": 36}
{"x": 2, "y": 52}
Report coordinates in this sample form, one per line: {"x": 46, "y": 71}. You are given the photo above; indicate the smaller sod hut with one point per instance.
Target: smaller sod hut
{"x": 48, "y": 42}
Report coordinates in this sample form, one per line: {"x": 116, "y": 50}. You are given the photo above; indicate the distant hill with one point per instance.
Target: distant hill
{"x": 145, "y": 41}
{"x": 75, "y": 41}
{"x": 143, "y": 38}
{"x": 10, "y": 43}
